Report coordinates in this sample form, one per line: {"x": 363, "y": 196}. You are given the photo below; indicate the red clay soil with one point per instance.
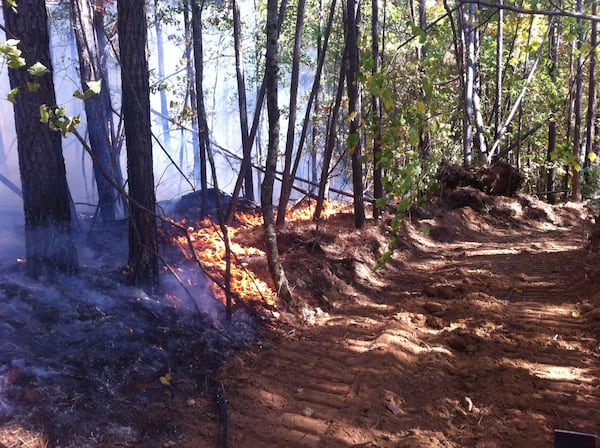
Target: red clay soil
{"x": 482, "y": 331}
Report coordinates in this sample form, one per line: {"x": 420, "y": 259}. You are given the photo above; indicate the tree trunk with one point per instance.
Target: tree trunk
{"x": 331, "y": 138}
{"x": 354, "y": 109}
{"x": 200, "y": 179}
{"x": 97, "y": 115}
{"x": 246, "y": 167}
{"x": 114, "y": 132}
{"x": 271, "y": 77}
{"x": 468, "y": 53}
{"x": 578, "y": 100}
{"x": 48, "y": 230}
{"x": 499, "y": 69}
{"x": 143, "y": 246}
{"x": 553, "y": 74}
{"x": 377, "y": 110}
{"x": 424, "y": 133}
{"x": 160, "y": 56}
{"x": 203, "y": 134}
{"x": 260, "y": 95}
{"x": 590, "y": 118}
{"x": 288, "y": 176}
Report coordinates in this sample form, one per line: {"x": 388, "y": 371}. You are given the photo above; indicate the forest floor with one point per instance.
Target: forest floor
{"x": 481, "y": 331}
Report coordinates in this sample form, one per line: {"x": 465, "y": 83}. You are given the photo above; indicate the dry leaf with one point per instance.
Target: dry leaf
{"x": 391, "y": 402}
{"x": 166, "y": 378}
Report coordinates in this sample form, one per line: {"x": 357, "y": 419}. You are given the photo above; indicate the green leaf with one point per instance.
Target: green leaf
{"x": 12, "y": 54}
{"x": 592, "y": 156}
{"x": 413, "y": 136}
{"x": 45, "y": 113}
{"x": 387, "y": 99}
{"x": 352, "y": 142}
{"x": 95, "y": 86}
{"x": 33, "y": 86}
{"x": 79, "y": 95}
{"x": 38, "y": 69}
{"x": 12, "y": 95}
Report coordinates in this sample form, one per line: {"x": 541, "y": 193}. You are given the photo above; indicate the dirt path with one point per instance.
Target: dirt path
{"x": 479, "y": 334}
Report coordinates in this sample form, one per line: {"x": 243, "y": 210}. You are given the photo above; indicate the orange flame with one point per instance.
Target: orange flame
{"x": 210, "y": 249}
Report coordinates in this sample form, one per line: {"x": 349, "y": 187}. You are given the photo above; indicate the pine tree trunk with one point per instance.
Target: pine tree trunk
{"x": 376, "y": 110}
{"x": 590, "y": 118}
{"x": 203, "y": 134}
{"x": 354, "y": 109}
{"x": 50, "y": 249}
{"x": 246, "y": 168}
{"x": 97, "y": 116}
{"x": 143, "y": 245}
{"x": 160, "y": 56}
{"x": 288, "y": 175}
{"x": 331, "y": 138}
{"x": 578, "y": 100}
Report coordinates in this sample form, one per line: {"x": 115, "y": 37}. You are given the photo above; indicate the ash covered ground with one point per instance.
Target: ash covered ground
{"x": 90, "y": 362}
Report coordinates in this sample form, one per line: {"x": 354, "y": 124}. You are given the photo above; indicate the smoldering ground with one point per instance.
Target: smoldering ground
{"x": 86, "y": 360}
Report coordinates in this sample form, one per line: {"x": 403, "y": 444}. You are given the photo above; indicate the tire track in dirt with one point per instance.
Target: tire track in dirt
{"x": 497, "y": 356}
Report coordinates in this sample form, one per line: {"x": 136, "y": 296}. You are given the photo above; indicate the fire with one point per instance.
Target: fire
{"x": 210, "y": 248}
{"x": 306, "y": 211}
{"x": 209, "y": 245}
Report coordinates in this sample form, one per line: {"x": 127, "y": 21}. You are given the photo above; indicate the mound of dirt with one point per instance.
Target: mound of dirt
{"x": 499, "y": 179}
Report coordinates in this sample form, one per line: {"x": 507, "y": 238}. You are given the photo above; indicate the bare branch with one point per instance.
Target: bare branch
{"x": 557, "y": 12}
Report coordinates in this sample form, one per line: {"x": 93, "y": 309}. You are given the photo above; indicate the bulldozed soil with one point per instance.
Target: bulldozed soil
{"x": 481, "y": 331}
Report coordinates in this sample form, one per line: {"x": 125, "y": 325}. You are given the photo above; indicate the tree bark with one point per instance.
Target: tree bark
{"x": 424, "y": 132}
{"x": 97, "y": 115}
{"x": 499, "y": 70}
{"x": 200, "y": 179}
{"x": 115, "y": 133}
{"x": 203, "y": 134}
{"x": 143, "y": 245}
{"x": 468, "y": 53}
{"x": 553, "y": 73}
{"x": 376, "y": 106}
{"x": 241, "y": 85}
{"x": 288, "y": 175}
{"x": 271, "y": 77}
{"x": 331, "y": 138}
{"x": 578, "y": 100}
{"x": 354, "y": 109}
{"x": 160, "y": 56}
{"x": 590, "y": 118}
{"x": 49, "y": 245}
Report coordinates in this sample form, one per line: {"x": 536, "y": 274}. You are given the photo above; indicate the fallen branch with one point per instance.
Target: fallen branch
{"x": 11, "y": 186}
